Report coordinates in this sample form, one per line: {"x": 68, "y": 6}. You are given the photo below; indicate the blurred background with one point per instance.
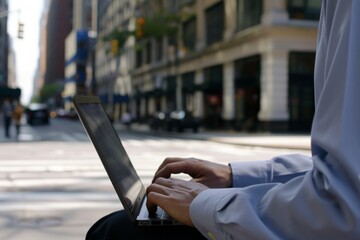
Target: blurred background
{"x": 236, "y": 64}
{"x": 234, "y": 77}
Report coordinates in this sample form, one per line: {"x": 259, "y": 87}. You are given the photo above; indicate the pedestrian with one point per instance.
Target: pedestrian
{"x": 126, "y": 119}
{"x": 287, "y": 197}
{"x": 7, "y": 111}
{"x": 17, "y": 116}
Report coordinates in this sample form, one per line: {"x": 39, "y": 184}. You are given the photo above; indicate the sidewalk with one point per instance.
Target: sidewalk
{"x": 26, "y": 134}
{"x": 270, "y": 140}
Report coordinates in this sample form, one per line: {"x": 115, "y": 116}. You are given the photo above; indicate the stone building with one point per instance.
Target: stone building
{"x": 238, "y": 64}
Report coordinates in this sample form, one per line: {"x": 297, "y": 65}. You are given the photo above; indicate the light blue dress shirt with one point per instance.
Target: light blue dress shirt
{"x": 294, "y": 196}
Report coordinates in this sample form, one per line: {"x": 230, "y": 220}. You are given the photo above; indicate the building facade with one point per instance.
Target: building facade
{"x": 114, "y": 64}
{"x": 4, "y": 39}
{"x": 59, "y": 25}
{"x": 39, "y": 77}
{"x": 8, "y": 85}
{"x": 240, "y": 64}
{"x": 77, "y": 51}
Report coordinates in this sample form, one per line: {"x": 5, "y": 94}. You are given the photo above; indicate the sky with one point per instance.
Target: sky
{"x": 26, "y": 49}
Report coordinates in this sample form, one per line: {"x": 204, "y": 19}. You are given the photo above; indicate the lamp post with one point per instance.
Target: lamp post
{"x": 179, "y": 97}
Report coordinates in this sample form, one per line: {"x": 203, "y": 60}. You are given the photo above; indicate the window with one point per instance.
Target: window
{"x": 159, "y": 48}
{"x": 186, "y": 2}
{"x": 304, "y": 9}
{"x": 189, "y": 33}
{"x": 213, "y": 77}
{"x": 214, "y": 23}
{"x": 301, "y": 90}
{"x": 148, "y": 52}
{"x": 172, "y": 6}
{"x": 188, "y": 81}
{"x": 301, "y": 63}
{"x": 171, "y": 83}
{"x": 248, "y": 13}
{"x": 138, "y": 58}
{"x": 247, "y": 92}
{"x": 247, "y": 72}
{"x": 171, "y": 40}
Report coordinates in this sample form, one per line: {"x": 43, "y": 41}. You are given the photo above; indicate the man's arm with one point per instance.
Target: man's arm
{"x": 323, "y": 203}
{"x": 279, "y": 169}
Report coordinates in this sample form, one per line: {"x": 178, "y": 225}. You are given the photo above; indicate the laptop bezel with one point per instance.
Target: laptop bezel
{"x": 134, "y": 212}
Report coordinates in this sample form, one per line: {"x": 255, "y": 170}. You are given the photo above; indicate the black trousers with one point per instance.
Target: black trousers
{"x": 117, "y": 226}
{"x": 7, "y": 123}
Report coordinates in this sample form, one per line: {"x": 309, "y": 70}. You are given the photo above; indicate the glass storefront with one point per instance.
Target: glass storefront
{"x": 301, "y": 91}
{"x": 247, "y": 93}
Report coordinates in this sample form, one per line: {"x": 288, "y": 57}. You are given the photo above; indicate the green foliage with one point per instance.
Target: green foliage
{"x": 161, "y": 25}
{"x": 120, "y": 36}
{"x": 48, "y": 91}
{"x": 156, "y": 26}
{"x": 36, "y": 99}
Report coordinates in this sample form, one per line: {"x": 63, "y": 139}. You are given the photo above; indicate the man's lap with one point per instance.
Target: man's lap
{"x": 118, "y": 226}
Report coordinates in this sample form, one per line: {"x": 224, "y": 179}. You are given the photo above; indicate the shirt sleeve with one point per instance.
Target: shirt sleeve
{"x": 279, "y": 169}
{"x": 324, "y": 202}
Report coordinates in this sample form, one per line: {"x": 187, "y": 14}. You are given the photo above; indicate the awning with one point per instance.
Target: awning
{"x": 116, "y": 98}
{"x": 13, "y": 93}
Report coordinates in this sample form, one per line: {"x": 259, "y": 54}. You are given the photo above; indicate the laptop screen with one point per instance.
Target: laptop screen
{"x": 113, "y": 155}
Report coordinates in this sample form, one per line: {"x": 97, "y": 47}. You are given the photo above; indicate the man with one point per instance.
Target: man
{"x": 17, "y": 115}
{"x": 7, "y": 111}
{"x": 288, "y": 197}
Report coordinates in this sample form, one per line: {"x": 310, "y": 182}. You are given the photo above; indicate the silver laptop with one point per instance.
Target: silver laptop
{"x": 118, "y": 166}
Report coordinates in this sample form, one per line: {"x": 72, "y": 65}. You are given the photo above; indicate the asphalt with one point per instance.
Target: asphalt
{"x": 263, "y": 139}
{"x": 74, "y": 223}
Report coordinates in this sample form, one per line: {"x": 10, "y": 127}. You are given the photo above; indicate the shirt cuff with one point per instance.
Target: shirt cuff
{"x": 203, "y": 211}
{"x": 249, "y": 173}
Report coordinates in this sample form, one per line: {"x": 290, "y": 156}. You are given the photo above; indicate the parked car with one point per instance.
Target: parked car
{"x": 181, "y": 120}
{"x": 37, "y": 113}
{"x": 159, "y": 121}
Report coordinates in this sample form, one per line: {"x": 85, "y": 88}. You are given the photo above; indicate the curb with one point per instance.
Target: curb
{"x": 265, "y": 140}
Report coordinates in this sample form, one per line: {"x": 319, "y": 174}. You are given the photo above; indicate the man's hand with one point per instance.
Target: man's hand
{"x": 174, "y": 196}
{"x": 210, "y": 174}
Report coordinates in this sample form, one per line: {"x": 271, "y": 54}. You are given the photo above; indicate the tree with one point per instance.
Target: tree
{"x": 48, "y": 90}
{"x": 146, "y": 27}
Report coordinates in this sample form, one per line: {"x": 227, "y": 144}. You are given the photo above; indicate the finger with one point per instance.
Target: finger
{"x": 174, "y": 168}
{"x": 155, "y": 199}
{"x": 155, "y": 187}
{"x": 173, "y": 184}
{"x": 168, "y": 161}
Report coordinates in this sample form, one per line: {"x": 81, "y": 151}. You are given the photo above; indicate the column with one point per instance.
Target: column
{"x": 274, "y": 12}
{"x": 179, "y": 100}
{"x": 199, "y": 95}
{"x": 230, "y": 18}
{"x": 274, "y": 89}
{"x": 151, "y": 105}
{"x": 228, "y": 95}
{"x": 200, "y": 26}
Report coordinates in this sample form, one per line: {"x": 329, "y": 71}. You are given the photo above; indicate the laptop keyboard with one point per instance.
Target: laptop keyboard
{"x": 160, "y": 214}
{"x": 161, "y": 218}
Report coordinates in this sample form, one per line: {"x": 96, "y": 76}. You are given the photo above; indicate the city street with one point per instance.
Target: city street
{"x": 53, "y": 185}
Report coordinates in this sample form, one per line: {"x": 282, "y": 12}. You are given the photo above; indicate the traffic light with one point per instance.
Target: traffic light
{"x": 114, "y": 46}
{"x": 140, "y": 22}
{"x": 21, "y": 30}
